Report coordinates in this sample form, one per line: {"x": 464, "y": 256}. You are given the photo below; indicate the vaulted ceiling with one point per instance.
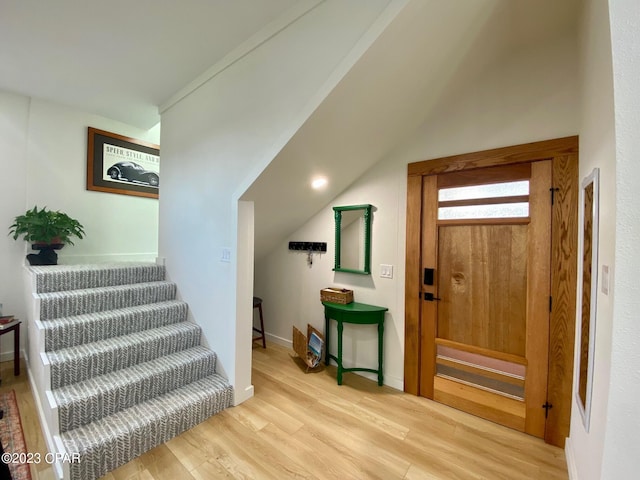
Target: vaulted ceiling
{"x": 120, "y": 59}
{"x": 389, "y": 92}
{"x": 123, "y": 59}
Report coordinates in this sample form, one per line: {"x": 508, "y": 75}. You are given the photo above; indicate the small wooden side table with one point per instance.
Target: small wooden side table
{"x": 14, "y": 327}
{"x": 358, "y": 313}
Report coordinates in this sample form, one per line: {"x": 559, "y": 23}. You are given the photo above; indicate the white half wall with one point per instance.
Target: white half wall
{"x": 530, "y": 95}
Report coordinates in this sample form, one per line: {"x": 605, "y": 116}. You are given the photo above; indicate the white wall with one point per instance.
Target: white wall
{"x": 530, "y": 95}
{"x": 14, "y": 112}
{"x": 620, "y": 458}
{"x": 212, "y": 141}
{"x": 597, "y": 149}
{"x": 118, "y": 227}
{"x": 43, "y": 155}
{"x": 291, "y": 288}
{"x": 610, "y": 45}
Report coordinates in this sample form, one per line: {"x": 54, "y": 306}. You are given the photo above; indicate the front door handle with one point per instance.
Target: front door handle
{"x": 429, "y": 297}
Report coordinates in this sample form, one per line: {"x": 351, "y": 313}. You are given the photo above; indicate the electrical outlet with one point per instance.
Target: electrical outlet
{"x": 386, "y": 271}
{"x": 226, "y": 255}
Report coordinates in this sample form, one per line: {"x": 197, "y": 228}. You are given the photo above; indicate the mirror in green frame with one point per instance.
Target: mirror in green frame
{"x": 353, "y": 239}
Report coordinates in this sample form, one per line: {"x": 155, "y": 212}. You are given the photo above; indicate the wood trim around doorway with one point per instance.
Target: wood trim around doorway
{"x": 564, "y": 240}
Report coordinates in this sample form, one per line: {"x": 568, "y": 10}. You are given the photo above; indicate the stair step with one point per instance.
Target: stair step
{"x": 79, "y": 363}
{"x": 67, "y": 332}
{"x": 95, "y": 398}
{"x": 56, "y": 278}
{"x": 91, "y": 300}
{"x": 127, "y": 371}
{"x": 108, "y": 443}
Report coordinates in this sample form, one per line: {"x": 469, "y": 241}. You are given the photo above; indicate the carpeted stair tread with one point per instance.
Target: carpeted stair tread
{"x": 56, "y": 278}
{"x": 67, "y": 332}
{"x": 91, "y": 300}
{"x": 108, "y": 443}
{"x": 127, "y": 371}
{"x": 98, "y": 397}
{"x": 81, "y": 362}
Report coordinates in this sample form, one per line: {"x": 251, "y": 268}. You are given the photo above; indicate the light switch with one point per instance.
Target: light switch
{"x": 386, "y": 271}
{"x": 226, "y": 255}
{"x": 605, "y": 279}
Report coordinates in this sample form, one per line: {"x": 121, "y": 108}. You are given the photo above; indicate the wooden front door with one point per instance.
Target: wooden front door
{"x": 486, "y": 287}
{"x": 490, "y": 299}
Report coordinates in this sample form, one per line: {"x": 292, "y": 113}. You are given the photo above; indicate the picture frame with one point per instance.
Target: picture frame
{"x": 587, "y": 294}
{"x": 122, "y": 165}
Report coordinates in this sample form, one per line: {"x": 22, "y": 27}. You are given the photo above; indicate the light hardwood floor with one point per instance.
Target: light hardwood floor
{"x": 303, "y": 425}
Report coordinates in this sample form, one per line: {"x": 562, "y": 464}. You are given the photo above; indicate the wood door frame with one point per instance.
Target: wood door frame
{"x": 563, "y": 152}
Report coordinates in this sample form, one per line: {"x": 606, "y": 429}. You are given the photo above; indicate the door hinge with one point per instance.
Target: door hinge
{"x": 547, "y": 406}
{"x": 553, "y": 193}
{"x": 550, "y": 303}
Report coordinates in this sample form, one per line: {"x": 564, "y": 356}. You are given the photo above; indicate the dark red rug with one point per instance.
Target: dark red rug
{"x": 12, "y": 436}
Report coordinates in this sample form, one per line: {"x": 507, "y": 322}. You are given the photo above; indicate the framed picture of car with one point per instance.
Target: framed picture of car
{"x": 123, "y": 165}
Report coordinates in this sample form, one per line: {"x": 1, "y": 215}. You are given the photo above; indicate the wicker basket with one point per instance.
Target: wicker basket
{"x": 336, "y": 295}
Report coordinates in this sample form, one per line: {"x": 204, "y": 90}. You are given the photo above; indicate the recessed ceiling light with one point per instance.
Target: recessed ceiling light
{"x": 318, "y": 183}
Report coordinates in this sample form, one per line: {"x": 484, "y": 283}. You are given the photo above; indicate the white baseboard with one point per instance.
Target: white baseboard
{"x": 242, "y": 396}
{"x": 571, "y": 460}
{"x": 279, "y": 340}
{"x": 8, "y": 356}
{"x": 393, "y": 382}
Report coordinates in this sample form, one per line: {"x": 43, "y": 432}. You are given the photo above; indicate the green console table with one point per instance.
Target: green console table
{"x": 358, "y": 313}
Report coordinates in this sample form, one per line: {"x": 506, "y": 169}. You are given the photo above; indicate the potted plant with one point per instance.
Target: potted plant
{"x": 48, "y": 230}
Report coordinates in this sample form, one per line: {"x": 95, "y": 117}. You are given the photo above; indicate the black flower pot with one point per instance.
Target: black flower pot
{"x": 47, "y": 254}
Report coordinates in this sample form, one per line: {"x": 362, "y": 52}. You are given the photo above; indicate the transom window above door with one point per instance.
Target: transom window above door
{"x": 492, "y": 200}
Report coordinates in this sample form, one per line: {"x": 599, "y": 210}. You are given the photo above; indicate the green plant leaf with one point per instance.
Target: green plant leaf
{"x": 43, "y": 226}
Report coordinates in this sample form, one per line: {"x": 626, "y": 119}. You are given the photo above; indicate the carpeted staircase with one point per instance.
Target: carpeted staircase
{"x": 128, "y": 371}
